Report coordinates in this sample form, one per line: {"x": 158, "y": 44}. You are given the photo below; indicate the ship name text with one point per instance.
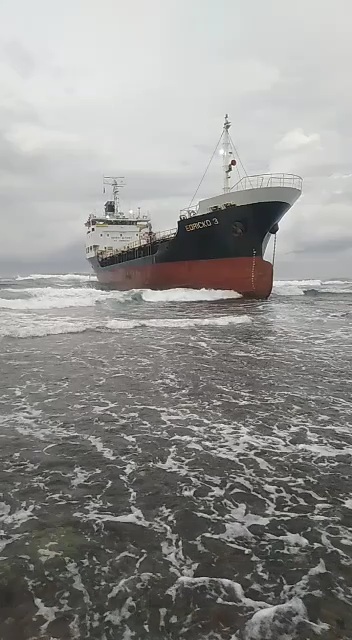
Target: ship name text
{"x": 201, "y": 224}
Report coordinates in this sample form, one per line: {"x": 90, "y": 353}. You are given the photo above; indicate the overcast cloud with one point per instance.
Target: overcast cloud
{"x": 140, "y": 89}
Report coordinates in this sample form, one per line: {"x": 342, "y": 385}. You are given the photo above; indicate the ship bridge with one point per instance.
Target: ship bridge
{"x": 114, "y": 230}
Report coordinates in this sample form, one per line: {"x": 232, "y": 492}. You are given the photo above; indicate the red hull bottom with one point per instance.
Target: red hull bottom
{"x": 251, "y": 277}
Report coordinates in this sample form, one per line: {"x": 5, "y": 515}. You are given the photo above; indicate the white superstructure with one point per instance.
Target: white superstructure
{"x": 115, "y": 230}
{"x": 271, "y": 187}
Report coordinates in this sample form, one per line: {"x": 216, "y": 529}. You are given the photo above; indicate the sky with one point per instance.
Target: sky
{"x": 139, "y": 89}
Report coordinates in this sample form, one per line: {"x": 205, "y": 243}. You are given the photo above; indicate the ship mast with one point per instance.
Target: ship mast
{"x": 116, "y": 183}
{"x": 226, "y": 146}
{"x": 229, "y": 162}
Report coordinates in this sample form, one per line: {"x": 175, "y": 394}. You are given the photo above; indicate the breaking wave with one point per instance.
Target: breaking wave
{"x": 59, "y": 298}
{"x": 311, "y": 287}
{"x": 39, "y": 326}
{"x": 51, "y": 298}
{"x": 187, "y": 295}
{"x": 58, "y": 276}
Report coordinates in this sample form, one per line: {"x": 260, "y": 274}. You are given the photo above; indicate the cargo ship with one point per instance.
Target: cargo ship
{"x": 218, "y": 244}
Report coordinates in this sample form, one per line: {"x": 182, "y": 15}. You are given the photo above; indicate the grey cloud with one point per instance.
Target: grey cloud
{"x": 319, "y": 267}
{"x": 76, "y": 176}
{"x": 19, "y": 58}
{"x": 69, "y": 260}
{"x": 326, "y": 170}
{"x": 326, "y": 246}
{"x": 155, "y": 113}
{"x": 342, "y": 195}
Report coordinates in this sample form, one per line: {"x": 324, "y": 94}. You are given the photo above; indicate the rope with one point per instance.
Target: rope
{"x": 238, "y": 172}
{"x": 204, "y": 174}
{"x": 238, "y": 156}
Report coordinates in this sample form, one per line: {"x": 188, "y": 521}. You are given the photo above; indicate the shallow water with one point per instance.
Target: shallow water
{"x": 175, "y": 464}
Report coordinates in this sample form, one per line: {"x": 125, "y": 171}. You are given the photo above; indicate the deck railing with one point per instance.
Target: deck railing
{"x": 154, "y": 237}
{"x": 188, "y": 212}
{"x": 255, "y": 182}
{"x": 269, "y": 180}
{"x": 248, "y": 182}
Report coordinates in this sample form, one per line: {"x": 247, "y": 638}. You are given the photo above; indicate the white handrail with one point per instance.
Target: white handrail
{"x": 160, "y": 235}
{"x": 263, "y": 180}
{"x": 188, "y": 212}
{"x": 258, "y": 181}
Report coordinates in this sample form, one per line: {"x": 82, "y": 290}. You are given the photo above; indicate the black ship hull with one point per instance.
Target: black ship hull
{"x": 222, "y": 249}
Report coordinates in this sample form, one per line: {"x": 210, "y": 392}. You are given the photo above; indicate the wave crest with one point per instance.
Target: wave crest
{"x": 311, "y": 287}
{"x": 59, "y": 298}
{"x": 58, "y": 276}
{"x": 40, "y": 326}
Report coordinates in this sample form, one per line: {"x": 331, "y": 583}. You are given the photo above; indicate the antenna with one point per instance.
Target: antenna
{"x": 116, "y": 182}
{"x": 229, "y": 161}
{"x": 226, "y": 145}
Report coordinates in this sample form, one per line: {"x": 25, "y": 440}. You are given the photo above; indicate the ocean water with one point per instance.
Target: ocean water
{"x": 175, "y": 465}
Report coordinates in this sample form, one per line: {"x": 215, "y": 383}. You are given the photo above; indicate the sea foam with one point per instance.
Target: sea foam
{"x": 51, "y": 297}
{"x": 39, "y": 326}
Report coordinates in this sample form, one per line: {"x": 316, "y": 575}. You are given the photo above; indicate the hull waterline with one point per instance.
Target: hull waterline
{"x": 220, "y": 243}
{"x": 251, "y": 277}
